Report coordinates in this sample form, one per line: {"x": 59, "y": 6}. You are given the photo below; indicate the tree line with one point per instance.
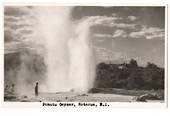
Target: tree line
{"x": 129, "y": 76}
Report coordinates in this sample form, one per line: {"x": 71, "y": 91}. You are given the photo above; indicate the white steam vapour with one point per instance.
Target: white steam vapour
{"x": 68, "y": 52}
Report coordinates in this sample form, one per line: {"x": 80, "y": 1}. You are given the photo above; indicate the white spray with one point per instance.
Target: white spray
{"x": 68, "y": 54}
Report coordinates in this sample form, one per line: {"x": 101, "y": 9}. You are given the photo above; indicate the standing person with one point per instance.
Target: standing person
{"x": 36, "y": 89}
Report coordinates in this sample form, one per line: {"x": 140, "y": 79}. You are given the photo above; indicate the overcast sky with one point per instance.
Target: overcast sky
{"x": 122, "y": 33}
{"x": 117, "y": 33}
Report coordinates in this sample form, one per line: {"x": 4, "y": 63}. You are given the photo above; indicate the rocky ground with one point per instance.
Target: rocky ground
{"x": 73, "y": 97}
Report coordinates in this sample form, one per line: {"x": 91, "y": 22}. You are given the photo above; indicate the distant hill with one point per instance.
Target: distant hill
{"x": 24, "y": 64}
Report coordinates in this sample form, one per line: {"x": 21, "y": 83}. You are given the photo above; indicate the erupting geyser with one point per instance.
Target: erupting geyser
{"x": 68, "y": 51}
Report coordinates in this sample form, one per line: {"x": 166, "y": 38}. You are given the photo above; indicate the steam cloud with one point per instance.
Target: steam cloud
{"x": 68, "y": 51}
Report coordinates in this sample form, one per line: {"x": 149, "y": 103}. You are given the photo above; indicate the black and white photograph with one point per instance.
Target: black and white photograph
{"x": 84, "y": 54}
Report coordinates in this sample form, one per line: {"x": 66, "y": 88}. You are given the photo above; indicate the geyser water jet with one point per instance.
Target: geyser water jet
{"x": 68, "y": 50}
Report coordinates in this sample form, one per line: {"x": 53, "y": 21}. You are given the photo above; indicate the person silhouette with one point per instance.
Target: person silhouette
{"x": 36, "y": 89}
